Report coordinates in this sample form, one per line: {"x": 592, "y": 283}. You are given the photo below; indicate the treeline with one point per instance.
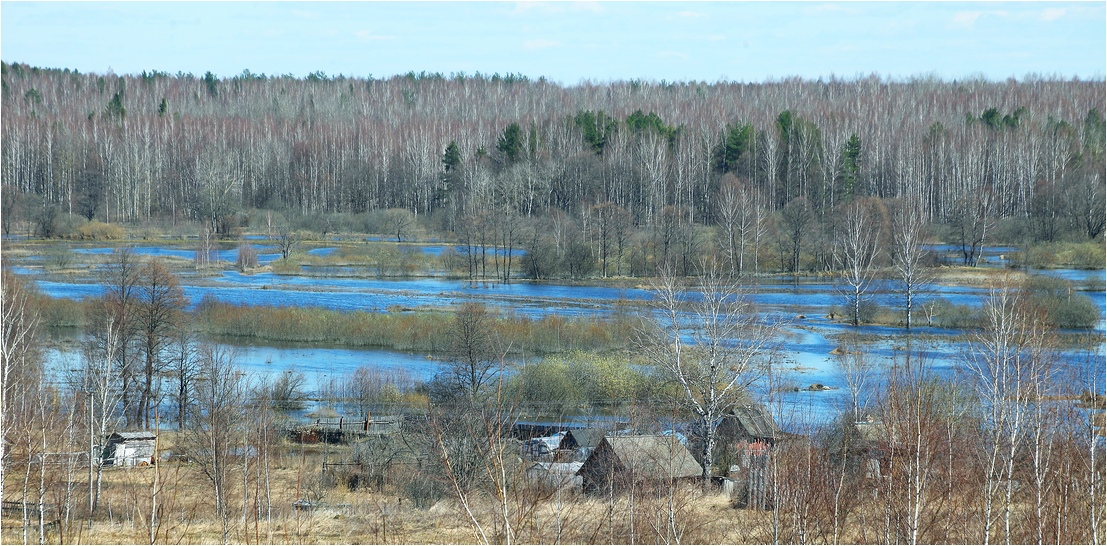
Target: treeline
{"x": 138, "y": 148}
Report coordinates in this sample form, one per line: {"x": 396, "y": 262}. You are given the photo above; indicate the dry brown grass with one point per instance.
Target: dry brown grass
{"x": 367, "y": 517}
{"x": 975, "y": 276}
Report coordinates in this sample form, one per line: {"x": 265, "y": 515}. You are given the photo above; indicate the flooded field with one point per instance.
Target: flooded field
{"x": 800, "y": 305}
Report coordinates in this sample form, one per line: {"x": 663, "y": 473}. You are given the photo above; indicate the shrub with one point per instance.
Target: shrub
{"x": 57, "y": 257}
{"x": 99, "y": 231}
{"x": 247, "y": 257}
{"x": 1085, "y": 255}
{"x": 51, "y": 223}
{"x": 942, "y": 313}
{"x": 1063, "y": 305}
{"x": 422, "y": 490}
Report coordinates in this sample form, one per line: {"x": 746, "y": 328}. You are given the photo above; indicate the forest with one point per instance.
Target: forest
{"x": 968, "y": 380}
{"x": 522, "y": 162}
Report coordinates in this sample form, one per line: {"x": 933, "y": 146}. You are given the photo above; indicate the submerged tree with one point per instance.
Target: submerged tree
{"x": 908, "y": 235}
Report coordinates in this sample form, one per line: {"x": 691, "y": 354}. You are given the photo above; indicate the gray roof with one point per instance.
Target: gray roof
{"x": 585, "y": 437}
{"x": 661, "y": 456}
{"x": 755, "y": 421}
{"x": 139, "y": 435}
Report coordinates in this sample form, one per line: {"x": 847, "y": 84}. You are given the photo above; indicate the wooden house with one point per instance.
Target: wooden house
{"x": 619, "y": 461}
{"x": 130, "y": 449}
{"x": 747, "y": 436}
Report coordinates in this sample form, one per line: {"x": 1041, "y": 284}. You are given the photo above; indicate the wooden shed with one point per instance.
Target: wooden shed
{"x": 130, "y": 449}
{"x": 619, "y": 461}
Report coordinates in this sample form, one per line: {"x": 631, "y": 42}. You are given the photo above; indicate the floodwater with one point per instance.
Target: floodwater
{"x": 803, "y": 357}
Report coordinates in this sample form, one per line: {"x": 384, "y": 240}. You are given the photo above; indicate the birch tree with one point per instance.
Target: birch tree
{"x": 18, "y": 333}
{"x": 709, "y": 344}
{"x": 908, "y": 235}
{"x": 1009, "y": 351}
{"x": 859, "y": 240}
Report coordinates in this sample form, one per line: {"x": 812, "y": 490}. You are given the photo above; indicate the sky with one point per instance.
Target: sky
{"x": 565, "y": 42}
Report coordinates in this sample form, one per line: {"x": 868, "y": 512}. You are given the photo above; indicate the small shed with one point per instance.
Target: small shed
{"x": 622, "y": 460}
{"x": 581, "y": 442}
{"x": 130, "y": 449}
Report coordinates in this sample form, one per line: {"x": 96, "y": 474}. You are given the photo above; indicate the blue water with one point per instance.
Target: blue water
{"x": 227, "y": 255}
{"x": 803, "y": 358}
{"x": 318, "y": 364}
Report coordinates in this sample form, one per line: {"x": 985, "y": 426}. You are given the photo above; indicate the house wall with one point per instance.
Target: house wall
{"x": 130, "y": 453}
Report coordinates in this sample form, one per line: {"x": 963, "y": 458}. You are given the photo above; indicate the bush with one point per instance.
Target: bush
{"x": 51, "y": 222}
{"x": 1085, "y": 255}
{"x": 423, "y": 491}
{"x": 1063, "y": 305}
{"x": 57, "y": 257}
{"x": 99, "y": 231}
{"x": 942, "y": 313}
{"x": 247, "y": 257}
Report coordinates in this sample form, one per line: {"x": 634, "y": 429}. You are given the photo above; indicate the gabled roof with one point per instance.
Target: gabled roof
{"x": 755, "y": 421}
{"x": 585, "y": 437}
{"x": 140, "y": 435}
{"x": 657, "y": 456}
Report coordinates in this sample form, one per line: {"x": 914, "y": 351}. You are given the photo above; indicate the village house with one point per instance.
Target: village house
{"x": 130, "y": 449}
{"x": 747, "y": 436}
{"x": 748, "y": 433}
{"x": 620, "y": 461}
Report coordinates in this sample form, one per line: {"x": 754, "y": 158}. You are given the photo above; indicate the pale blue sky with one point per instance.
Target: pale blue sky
{"x": 565, "y": 41}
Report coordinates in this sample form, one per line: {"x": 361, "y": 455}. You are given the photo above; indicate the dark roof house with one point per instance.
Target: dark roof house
{"x": 577, "y": 445}
{"x": 753, "y": 422}
{"x": 622, "y": 460}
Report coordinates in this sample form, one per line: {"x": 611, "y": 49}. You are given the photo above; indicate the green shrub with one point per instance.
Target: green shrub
{"x": 1084, "y": 255}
